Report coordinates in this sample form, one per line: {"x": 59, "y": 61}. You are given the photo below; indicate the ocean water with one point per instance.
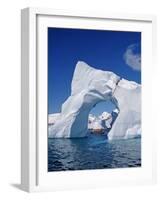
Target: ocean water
{"x": 93, "y": 152}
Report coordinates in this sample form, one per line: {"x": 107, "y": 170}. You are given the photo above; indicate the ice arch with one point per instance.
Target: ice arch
{"x": 89, "y": 87}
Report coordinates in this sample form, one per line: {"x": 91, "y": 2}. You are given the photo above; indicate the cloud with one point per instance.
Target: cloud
{"x": 132, "y": 57}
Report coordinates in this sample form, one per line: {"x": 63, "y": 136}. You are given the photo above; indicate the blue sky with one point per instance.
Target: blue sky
{"x": 116, "y": 51}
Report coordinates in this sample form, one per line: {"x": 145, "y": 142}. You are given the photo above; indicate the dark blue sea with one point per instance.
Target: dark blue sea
{"x": 93, "y": 152}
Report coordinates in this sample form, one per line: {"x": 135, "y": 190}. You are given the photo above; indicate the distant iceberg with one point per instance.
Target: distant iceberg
{"x": 89, "y": 87}
{"x": 102, "y": 122}
{"x": 106, "y": 120}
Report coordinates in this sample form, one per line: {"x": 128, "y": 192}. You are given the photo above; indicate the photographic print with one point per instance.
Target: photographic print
{"x": 94, "y": 99}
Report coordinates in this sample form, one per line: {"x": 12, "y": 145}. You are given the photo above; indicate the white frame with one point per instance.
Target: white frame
{"x": 29, "y": 93}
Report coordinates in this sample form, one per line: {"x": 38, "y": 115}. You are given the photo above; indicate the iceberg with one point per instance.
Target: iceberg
{"x": 89, "y": 87}
{"x": 106, "y": 120}
{"x": 103, "y": 121}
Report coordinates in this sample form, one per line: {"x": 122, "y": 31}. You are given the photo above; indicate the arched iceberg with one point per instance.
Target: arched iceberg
{"x": 89, "y": 87}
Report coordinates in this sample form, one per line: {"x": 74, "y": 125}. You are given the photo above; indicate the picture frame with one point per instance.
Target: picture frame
{"x": 34, "y": 174}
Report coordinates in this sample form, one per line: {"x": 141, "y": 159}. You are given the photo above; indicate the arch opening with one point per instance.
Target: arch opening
{"x": 102, "y": 116}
